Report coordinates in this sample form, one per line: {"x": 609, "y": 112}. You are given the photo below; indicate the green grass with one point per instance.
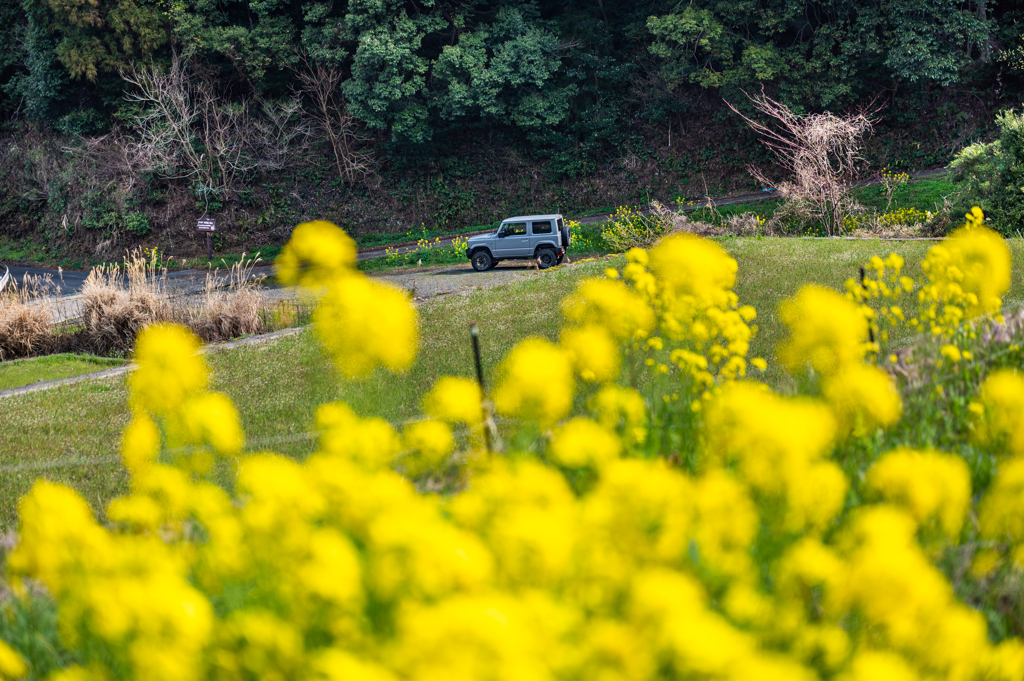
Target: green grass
{"x": 71, "y": 434}
{"x": 25, "y": 371}
{"x": 277, "y": 386}
{"x": 19, "y": 251}
{"x": 223, "y": 261}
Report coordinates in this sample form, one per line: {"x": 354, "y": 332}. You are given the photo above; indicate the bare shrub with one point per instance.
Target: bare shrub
{"x": 186, "y": 129}
{"x": 224, "y": 312}
{"x": 820, "y": 152}
{"x": 321, "y": 84}
{"x": 118, "y": 300}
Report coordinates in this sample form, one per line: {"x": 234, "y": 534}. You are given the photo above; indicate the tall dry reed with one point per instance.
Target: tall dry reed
{"x": 27, "y": 318}
{"x": 230, "y": 306}
{"x": 118, "y": 300}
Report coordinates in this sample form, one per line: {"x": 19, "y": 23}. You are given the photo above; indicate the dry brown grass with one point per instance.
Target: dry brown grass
{"x": 221, "y": 313}
{"x": 118, "y": 300}
{"x": 741, "y": 224}
{"x": 26, "y": 318}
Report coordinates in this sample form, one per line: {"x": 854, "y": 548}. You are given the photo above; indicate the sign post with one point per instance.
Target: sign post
{"x": 207, "y": 225}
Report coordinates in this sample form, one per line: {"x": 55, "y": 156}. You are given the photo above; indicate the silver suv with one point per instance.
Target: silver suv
{"x": 543, "y": 238}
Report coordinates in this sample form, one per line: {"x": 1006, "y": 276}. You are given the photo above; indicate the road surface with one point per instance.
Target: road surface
{"x": 70, "y": 282}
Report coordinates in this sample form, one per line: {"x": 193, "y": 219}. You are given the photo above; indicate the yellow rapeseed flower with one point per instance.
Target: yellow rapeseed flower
{"x": 364, "y": 324}
{"x": 429, "y": 442}
{"x": 317, "y": 252}
{"x": 594, "y": 354}
{"x": 536, "y": 382}
{"x": 1002, "y": 397}
{"x": 582, "y": 442}
{"x": 863, "y": 398}
{"x": 611, "y": 305}
{"x": 932, "y": 487}
{"x": 455, "y": 400}
{"x": 140, "y": 443}
{"x": 169, "y": 369}
{"x": 12, "y": 666}
{"x": 688, "y": 265}
{"x": 371, "y": 442}
{"x": 826, "y": 331}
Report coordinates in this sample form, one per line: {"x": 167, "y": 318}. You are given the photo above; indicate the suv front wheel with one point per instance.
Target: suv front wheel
{"x": 546, "y": 258}
{"x": 482, "y": 261}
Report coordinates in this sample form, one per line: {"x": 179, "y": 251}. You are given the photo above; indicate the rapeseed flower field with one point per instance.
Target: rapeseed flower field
{"x": 627, "y": 503}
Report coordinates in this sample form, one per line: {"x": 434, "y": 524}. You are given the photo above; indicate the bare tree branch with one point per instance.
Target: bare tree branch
{"x": 321, "y": 85}
{"x": 819, "y": 152}
{"x": 185, "y": 129}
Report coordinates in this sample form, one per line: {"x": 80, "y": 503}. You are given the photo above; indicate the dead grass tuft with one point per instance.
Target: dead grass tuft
{"x": 741, "y": 224}
{"x": 118, "y": 300}
{"x": 222, "y": 313}
{"x": 26, "y": 318}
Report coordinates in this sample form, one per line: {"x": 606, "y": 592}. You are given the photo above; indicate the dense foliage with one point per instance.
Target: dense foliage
{"x": 548, "y": 71}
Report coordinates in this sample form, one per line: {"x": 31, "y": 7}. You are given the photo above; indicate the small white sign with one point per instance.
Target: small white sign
{"x": 206, "y": 225}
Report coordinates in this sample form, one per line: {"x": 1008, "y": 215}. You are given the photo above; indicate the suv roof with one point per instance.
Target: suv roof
{"x": 524, "y": 218}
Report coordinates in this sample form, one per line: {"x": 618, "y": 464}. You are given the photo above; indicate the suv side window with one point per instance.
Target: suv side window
{"x": 542, "y": 227}
{"x": 513, "y": 229}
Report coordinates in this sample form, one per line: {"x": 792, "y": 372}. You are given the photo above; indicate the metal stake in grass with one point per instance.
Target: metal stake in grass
{"x": 871, "y": 334}
{"x": 474, "y": 333}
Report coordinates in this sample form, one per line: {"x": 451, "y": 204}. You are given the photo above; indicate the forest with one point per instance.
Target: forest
{"x": 123, "y": 120}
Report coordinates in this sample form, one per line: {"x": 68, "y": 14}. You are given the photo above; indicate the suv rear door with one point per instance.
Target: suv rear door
{"x": 541, "y": 231}
{"x": 513, "y": 241}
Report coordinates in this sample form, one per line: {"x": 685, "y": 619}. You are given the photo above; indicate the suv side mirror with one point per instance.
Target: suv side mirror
{"x": 503, "y": 232}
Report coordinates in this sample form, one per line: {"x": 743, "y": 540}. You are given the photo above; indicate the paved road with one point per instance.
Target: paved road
{"x": 66, "y": 282}
{"x": 70, "y": 282}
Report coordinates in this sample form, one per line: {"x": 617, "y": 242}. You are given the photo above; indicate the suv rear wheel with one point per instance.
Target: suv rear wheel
{"x": 482, "y": 260}
{"x": 546, "y": 257}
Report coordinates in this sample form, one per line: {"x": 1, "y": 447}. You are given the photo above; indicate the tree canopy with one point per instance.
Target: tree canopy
{"x": 550, "y": 72}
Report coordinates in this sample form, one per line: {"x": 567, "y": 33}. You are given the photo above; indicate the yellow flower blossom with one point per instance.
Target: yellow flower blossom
{"x": 317, "y": 252}
{"x": 690, "y": 266}
{"x": 825, "y": 331}
{"x": 536, "y": 383}
{"x": 372, "y": 442}
{"x": 364, "y": 324}
{"x": 169, "y": 368}
{"x": 611, "y": 305}
{"x": 594, "y": 354}
{"x": 140, "y": 443}
{"x": 863, "y": 398}
{"x": 582, "y": 442}
{"x": 1001, "y": 512}
{"x": 208, "y": 418}
{"x": 932, "y": 487}
{"x": 12, "y": 667}
{"x": 622, "y": 410}
{"x": 455, "y": 400}
{"x": 1002, "y": 407}
{"x": 430, "y": 442}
